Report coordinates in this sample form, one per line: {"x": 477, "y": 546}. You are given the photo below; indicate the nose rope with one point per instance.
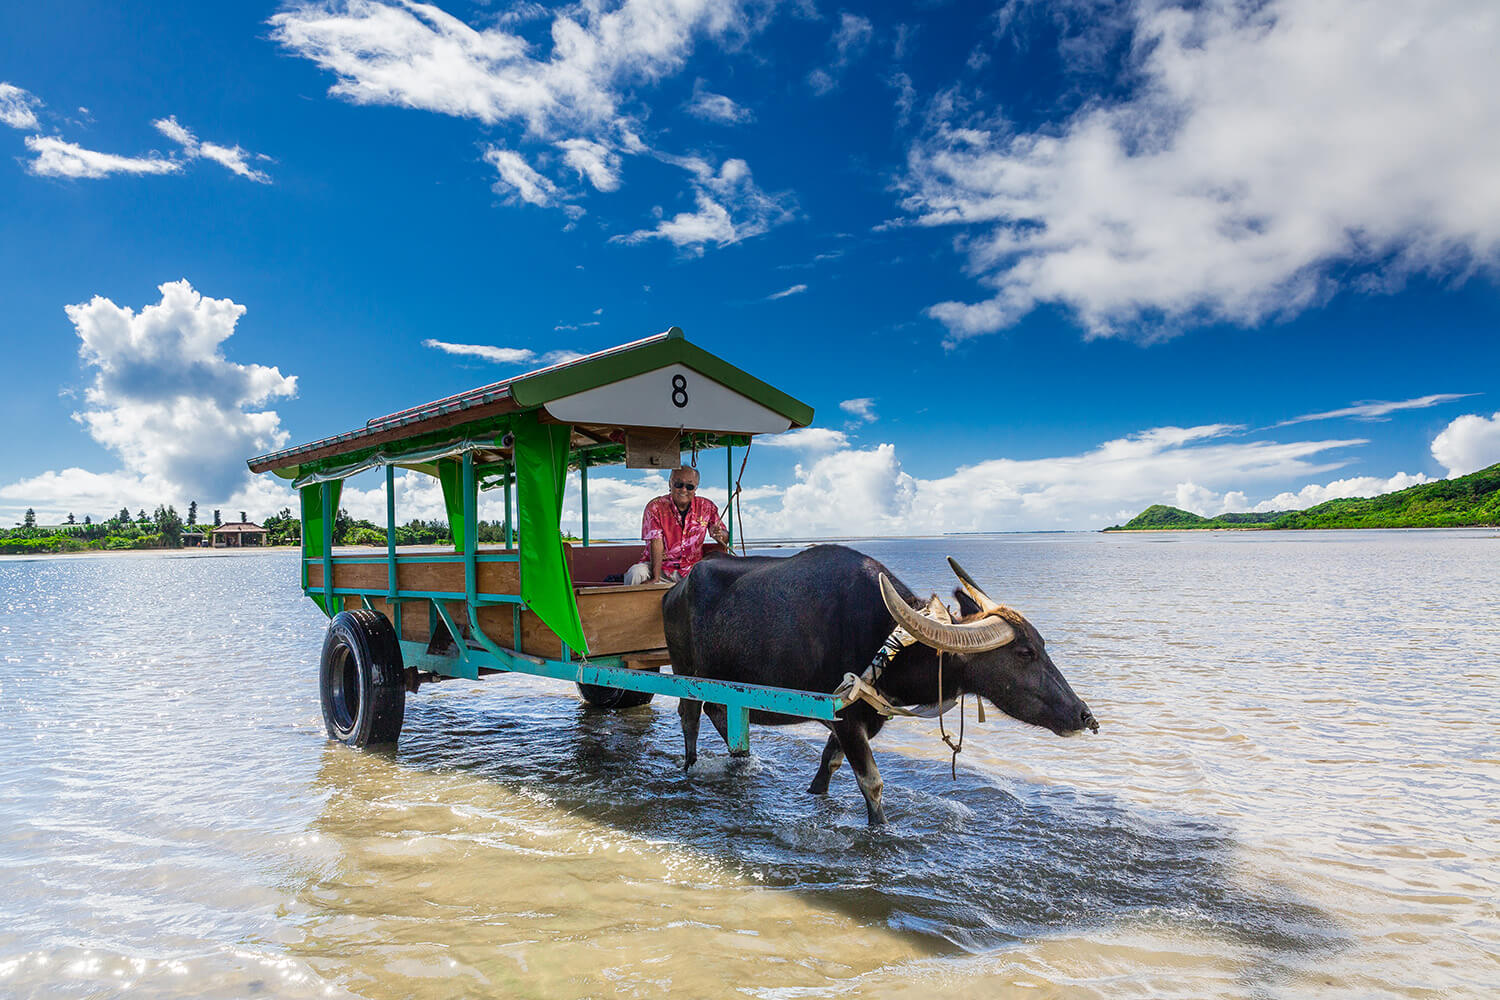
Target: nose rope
{"x": 957, "y": 748}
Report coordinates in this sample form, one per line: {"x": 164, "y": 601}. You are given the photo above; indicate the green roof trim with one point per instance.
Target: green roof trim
{"x": 537, "y": 390}
{"x": 420, "y": 427}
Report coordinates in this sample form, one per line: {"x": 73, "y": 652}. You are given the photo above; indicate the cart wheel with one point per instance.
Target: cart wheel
{"x": 613, "y": 698}
{"x": 362, "y": 683}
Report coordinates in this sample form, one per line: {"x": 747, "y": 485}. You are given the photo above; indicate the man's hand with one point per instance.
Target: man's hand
{"x": 719, "y": 532}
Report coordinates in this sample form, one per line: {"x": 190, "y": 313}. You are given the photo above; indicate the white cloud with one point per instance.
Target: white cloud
{"x": 55, "y": 157}
{"x": 18, "y": 107}
{"x": 1380, "y": 410}
{"x": 716, "y": 107}
{"x": 1340, "y": 489}
{"x": 730, "y": 208}
{"x": 852, "y": 36}
{"x": 180, "y": 416}
{"x": 1468, "y": 444}
{"x": 807, "y": 438}
{"x": 232, "y": 158}
{"x": 417, "y": 56}
{"x": 597, "y": 162}
{"x": 1254, "y": 165}
{"x": 867, "y": 492}
{"x": 862, "y": 409}
{"x": 849, "y": 41}
{"x": 1206, "y": 502}
{"x": 785, "y": 292}
{"x": 572, "y": 95}
{"x": 504, "y": 355}
{"x": 519, "y": 179}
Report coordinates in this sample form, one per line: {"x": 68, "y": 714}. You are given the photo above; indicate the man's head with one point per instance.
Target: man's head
{"x": 684, "y": 484}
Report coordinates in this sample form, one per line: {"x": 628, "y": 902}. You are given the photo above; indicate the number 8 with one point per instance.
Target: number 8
{"x": 679, "y": 391}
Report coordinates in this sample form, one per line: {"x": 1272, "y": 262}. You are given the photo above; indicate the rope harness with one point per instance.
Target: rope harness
{"x": 865, "y": 687}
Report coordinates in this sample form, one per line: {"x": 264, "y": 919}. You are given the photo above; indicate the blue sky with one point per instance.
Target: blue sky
{"x": 1035, "y": 265}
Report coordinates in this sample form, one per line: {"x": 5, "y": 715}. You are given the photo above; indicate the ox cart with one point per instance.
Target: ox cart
{"x": 535, "y": 604}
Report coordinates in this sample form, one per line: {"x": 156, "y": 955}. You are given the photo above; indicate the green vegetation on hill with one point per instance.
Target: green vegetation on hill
{"x": 1462, "y": 502}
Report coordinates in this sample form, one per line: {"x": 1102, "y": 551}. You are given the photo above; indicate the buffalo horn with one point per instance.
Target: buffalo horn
{"x": 972, "y": 589}
{"x": 975, "y": 637}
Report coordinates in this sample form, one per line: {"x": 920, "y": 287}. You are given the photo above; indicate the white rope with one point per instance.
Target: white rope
{"x": 863, "y": 688}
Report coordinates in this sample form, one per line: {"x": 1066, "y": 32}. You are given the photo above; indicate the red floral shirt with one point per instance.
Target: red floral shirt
{"x": 682, "y": 536}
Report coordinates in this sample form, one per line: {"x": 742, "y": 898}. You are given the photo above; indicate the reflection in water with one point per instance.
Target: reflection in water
{"x": 561, "y": 823}
{"x": 1294, "y": 794}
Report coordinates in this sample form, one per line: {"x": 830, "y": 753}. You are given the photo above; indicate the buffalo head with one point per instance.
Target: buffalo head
{"x": 1000, "y": 655}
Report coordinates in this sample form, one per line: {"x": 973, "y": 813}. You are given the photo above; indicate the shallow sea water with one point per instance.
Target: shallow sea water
{"x": 1295, "y": 792}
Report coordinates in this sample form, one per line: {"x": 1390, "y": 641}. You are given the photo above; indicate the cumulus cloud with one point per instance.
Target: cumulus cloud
{"x": 231, "y": 158}
{"x": 418, "y": 56}
{"x": 54, "y": 157}
{"x": 18, "y": 107}
{"x": 166, "y": 401}
{"x": 1340, "y": 489}
{"x": 730, "y": 208}
{"x": 1206, "y": 502}
{"x": 1468, "y": 444}
{"x": 713, "y": 107}
{"x": 848, "y": 492}
{"x": 1268, "y": 154}
{"x": 504, "y": 355}
{"x": 1380, "y": 410}
{"x": 574, "y": 95}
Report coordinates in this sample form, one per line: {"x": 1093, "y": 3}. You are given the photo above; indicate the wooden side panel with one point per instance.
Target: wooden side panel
{"x": 616, "y": 618}
{"x": 357, "y": 576}
{"x": 622, "y": 619}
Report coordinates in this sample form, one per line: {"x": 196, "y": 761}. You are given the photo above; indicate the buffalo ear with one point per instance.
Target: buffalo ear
{"x": 966, "y": 605}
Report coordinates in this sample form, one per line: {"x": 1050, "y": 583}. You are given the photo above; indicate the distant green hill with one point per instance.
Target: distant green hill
{"x": 1466, "y": 501}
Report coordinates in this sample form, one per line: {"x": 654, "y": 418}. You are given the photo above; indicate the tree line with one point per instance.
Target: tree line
{"x": 166, "y": 529}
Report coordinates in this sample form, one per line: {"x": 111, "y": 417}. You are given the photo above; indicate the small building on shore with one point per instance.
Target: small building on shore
{"x": 240, "y": 534}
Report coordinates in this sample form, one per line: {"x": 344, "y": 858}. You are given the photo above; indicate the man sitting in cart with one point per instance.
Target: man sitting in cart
{"x": 674, "y": 528}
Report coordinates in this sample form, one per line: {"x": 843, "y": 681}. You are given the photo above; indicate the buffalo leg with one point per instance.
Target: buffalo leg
{"x": 689, "y": 711}
{"x": 833, "y": 756}
{"x": 857, "y": 747}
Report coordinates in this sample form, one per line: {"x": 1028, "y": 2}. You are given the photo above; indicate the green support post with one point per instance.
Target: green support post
{"x": 509, "y": 533}
{"x": 471, "y": 533}
{"x": 729, "y": 496}
{"x": 583, "y": 480}
{"x": 392, "y": 605}
{"x": 328, "y": 549}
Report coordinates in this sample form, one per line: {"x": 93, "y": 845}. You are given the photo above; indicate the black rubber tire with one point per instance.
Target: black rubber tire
{"x": 613, "y": 698}
{"x": 361, "y": 680}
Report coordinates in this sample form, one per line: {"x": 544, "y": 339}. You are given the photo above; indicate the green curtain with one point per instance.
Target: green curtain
{"x": 450, "y": 473}
{"x": 312, "y": 530}
{"x": 541, "y": 475}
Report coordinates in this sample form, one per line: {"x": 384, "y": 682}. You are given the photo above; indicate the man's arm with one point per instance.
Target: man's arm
{"x": 657, "y": 551}
{"x": 716, "y": 529}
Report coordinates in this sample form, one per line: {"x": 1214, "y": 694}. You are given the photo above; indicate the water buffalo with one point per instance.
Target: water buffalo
{"x": 805, "y": 621}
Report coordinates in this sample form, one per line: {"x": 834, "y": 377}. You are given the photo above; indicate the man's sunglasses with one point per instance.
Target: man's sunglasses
{"x": 684, "y": 486}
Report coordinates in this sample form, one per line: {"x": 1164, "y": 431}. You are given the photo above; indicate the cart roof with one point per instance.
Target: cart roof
{"x": 659, "y": 382}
